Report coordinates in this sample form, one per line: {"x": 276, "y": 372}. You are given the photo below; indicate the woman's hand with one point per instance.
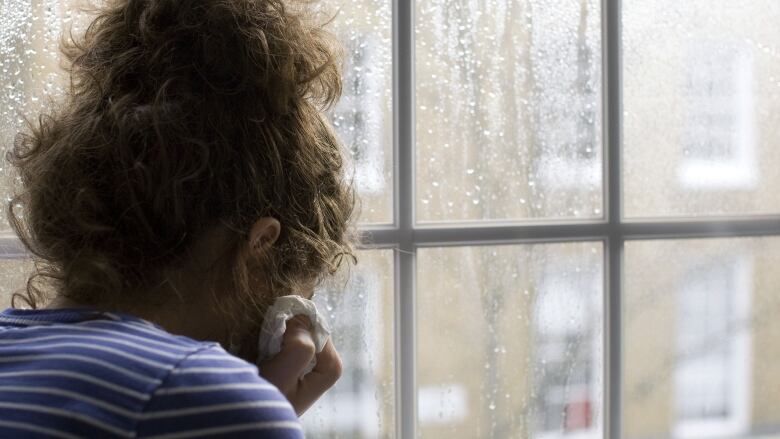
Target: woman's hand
{"x": 285, "y": 369}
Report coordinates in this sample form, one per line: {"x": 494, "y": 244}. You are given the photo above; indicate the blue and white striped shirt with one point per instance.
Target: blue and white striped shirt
{"x": 91, "y": 374}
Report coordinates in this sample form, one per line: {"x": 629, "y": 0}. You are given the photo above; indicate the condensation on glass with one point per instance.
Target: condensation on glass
{"x": 508, "y": 110}
{"x": 363, "y": 117}
{"x": 701, "y": 107}
{"x": 510, "y": 341}
{"x": 701, "y": 338}
{"x": 360, "y": 311}
{"x": 13, "y": 279}
{"x": 30, "y": 70}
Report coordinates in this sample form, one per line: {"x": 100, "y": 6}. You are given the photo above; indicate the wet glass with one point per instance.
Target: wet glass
{"x": 508, "y": 110}
{"x": 29, "y": 70}
{"x": 701, "y": 90}
{"x": 14, "y": 273}
{"x": 360, "y": 312}
{"x": 510, "y": 341}
{"x": 363, "y": 117}
{"x": 702, "y": 338}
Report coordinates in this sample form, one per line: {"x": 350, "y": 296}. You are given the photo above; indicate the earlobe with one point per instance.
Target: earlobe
{"x": 264, "y": 233}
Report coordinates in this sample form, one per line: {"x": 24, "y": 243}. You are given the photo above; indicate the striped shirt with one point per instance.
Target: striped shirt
{"x": 91, "y": 374}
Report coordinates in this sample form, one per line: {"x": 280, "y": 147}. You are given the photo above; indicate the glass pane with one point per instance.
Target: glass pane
{"x": 364, "y": 116}
{"x": 13, "y": 279}
{"x": 30, "y": 75}
{"x": 360, "y": 312}
{"x": 510, "y": 341}
{"x": 702, "y": 339}
{"x": 29, "y": 69}
{"x": 508, "y": 110}
{"x": 702, "y": 107}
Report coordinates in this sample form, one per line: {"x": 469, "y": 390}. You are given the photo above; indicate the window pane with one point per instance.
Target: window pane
{"x": 360, "y": 312}
{"x": 510, "y": 341}
{"x": 702, "y": 338}
{"x": 508, "y": 110}
{"x": 13, "y": 279}
{"x": 29, "y": 72}
{"x": 364, "y": 116}
{"x": 702, "y": 107}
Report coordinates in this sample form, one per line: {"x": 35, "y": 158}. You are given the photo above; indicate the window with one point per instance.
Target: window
{"x": 698, "y": 337}
{"x": 443, "y": 405}
{"x": 517, "y": 330}
{"x": 712, "y": 370}
{"x": 358, "y": 115}
{"x": 718, "y": 137}
{"x": 573, "y": 159}
{"x": 360, "y": 312}
{"x": 548, "y": 187}
{"x": 364, "y": 115}
{"x": 568, "y": 340}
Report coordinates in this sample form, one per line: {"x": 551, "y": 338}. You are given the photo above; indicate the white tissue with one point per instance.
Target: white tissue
{"x": 275, "y": 323}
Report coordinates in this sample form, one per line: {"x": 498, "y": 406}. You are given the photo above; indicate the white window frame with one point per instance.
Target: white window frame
{"x": 612, "y": 230}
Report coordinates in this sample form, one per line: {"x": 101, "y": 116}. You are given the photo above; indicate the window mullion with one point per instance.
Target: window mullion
{"x": 403, "y": 151}
{"x": 613, "y": 364}
{"x": 488, "y": 234}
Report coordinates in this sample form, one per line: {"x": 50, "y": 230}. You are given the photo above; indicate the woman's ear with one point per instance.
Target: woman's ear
{"x": 264, "y": 233}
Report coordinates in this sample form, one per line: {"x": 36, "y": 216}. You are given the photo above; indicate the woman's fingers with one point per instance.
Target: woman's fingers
{"x": 286, "y": 368}
{"x": 315, "y": 383}
{"x": 329, "y": 368}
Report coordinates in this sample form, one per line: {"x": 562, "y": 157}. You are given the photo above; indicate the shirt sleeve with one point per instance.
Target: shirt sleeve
{"x": 213, "y": 394}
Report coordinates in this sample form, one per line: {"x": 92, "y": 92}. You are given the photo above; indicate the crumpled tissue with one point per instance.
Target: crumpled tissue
{"x": 275, "y": 323}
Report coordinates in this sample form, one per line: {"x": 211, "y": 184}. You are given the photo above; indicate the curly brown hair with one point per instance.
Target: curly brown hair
{"x": 182, "y": 115}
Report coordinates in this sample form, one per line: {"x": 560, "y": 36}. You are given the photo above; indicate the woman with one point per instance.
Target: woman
{"x": 187, "y": 181}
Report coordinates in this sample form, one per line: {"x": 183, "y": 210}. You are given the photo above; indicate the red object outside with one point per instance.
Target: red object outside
{"x": 578, "y": 416}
